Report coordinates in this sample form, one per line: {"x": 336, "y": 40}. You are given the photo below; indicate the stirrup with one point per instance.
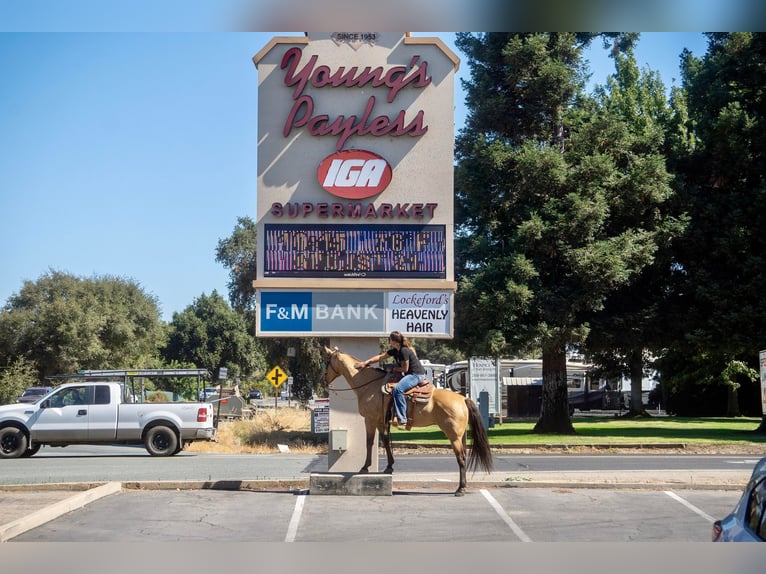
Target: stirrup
{"x": 384, "y": 388}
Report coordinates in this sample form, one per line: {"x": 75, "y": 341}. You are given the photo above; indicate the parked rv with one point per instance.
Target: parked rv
{"x": 520, "y": 382}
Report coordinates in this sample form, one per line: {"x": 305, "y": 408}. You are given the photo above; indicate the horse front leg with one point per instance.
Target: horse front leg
{"x": 370, "y": 429}
{"x": 385, "y": 433}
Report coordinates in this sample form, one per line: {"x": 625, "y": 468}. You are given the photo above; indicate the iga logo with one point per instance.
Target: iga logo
{"x": 354, "y": 174}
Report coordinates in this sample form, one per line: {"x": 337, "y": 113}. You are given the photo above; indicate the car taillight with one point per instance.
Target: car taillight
{"x": 717, "y": 530}
{"x": 202, "y": 415}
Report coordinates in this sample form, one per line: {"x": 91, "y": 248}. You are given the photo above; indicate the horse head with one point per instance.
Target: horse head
{"x": 331, "y": 372}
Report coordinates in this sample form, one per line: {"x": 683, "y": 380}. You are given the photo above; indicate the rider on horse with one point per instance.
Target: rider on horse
{"x": 408, "y": 364}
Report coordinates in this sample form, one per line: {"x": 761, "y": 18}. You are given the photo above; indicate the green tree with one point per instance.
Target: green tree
{"x": 549, "y": 203}
{"x": 64, "y": 323}
{"x": 630, "y": 326}
{"x": 300, "y": 358}
{"x": 719, "y": 309}
{"x": 437, "y": 351}
{"x": 209, "y": 334}
{"x": 239, "y": 255}
{"x": 19, "y": 374}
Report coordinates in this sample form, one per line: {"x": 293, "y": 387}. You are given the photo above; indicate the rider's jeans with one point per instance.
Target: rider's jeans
{"x": 407, "y": 382}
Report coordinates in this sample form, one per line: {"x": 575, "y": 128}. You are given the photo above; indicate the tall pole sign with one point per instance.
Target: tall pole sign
{"x": 355, "y": 191}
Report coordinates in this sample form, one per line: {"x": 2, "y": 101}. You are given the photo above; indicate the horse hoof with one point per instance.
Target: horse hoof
{"x": 460, "y": 492}
{"x": 363, "y": 471}
{"x": 389, "y": 470}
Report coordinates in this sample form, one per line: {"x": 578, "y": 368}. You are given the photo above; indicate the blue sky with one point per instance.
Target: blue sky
{"x": 133, "y": 154}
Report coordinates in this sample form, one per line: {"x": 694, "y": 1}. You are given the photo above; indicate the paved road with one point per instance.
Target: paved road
{"x": 121, "y": 463}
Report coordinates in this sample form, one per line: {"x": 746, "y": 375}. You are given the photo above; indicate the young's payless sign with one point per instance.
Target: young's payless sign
{"x": 395, "y": 78}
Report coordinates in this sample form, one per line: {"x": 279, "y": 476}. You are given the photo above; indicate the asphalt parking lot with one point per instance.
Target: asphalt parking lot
{"x": 502, "y": 514}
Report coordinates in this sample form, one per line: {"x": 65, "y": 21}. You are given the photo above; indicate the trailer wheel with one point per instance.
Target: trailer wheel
{"x": 161, "y": 441}
{"x": 13, "y": 442}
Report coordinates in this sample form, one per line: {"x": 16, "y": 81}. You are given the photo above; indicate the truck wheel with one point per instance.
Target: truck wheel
{"x": 161, "y": 441}
{"x": 31, "y": 451}
{"x": 13, "y": 442}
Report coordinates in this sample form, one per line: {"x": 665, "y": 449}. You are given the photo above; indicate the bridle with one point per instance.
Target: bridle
{"x": 329, "y": 369}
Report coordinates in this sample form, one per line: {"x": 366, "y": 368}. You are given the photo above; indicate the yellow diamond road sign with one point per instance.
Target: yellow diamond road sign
{"x": 276, "y": 376}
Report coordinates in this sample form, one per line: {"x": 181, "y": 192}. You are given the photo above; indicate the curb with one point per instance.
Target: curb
{"x": 40, "y": 517}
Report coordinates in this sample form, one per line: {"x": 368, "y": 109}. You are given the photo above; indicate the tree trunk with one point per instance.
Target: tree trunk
{"x": 636, "y": 382}
{"x": 732, "y": 401}
{"x": 554, "y": 417}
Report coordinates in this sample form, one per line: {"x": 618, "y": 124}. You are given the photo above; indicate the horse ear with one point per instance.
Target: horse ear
{"x": 327, "y": 350}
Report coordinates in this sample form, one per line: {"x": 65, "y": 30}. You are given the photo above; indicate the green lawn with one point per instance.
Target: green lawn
{"x": 612, "y": 430}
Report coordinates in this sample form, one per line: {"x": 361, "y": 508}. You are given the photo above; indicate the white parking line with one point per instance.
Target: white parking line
{"x": 690, "y": 506}
{"x": 292, "y": 529}
{"x": 504, "y": 515}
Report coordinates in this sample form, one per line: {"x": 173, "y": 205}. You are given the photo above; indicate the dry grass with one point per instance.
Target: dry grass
{"x": 267, "y": 429}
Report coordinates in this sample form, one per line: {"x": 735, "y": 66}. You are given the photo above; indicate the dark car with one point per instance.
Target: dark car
{"x": 34, "y": 394}
{"x": 747, "y": 522}
{"x": 255, "y": 394}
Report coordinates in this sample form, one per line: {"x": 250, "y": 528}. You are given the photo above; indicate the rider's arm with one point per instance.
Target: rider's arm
{"x": 374, "y": 359}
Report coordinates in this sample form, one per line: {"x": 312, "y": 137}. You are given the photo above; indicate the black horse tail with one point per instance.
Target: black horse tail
{"x": 480, "y": 456}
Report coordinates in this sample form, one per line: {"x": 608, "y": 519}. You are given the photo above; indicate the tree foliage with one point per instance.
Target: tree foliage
{"x": 630, "y": 326}
{"x": 209, "y": 334}
{"x": 301, "y": 358}
{"x": 239, "y": 255}
{"x": 64, "y": 323}
{"x": 716, "y": 310}
{"x": 723, "y": 253}
{"x": 19, "y": 374}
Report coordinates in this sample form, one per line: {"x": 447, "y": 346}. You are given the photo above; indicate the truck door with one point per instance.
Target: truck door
{"x": 102, "y": 423}
{"x": 65, "y": 419}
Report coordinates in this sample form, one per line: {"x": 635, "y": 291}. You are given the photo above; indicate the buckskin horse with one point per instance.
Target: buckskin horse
{"x": 452, "y": 412}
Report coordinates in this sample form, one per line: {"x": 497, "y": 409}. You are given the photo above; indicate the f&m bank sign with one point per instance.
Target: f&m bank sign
{"x": 363, "y": 313}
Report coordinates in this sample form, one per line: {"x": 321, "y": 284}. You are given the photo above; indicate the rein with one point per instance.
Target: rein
{"x": 329, "y": 388}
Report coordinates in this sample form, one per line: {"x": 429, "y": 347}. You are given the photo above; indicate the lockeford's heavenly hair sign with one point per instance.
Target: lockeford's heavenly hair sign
{"x": 355, "y": 192}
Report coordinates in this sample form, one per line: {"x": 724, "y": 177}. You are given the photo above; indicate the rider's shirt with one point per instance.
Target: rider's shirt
{"x": 407, "y": 354}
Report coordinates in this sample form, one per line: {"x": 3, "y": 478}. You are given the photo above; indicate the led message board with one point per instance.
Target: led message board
{"x": 375, "y": 251}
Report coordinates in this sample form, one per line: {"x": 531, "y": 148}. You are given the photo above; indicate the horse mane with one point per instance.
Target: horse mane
{"x": 366, "y": 375}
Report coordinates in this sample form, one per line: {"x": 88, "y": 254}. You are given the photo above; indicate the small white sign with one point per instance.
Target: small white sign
{"x": 482, "y": 374}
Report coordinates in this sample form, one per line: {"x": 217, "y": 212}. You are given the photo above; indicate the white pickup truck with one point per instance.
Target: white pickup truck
{"x": 101, "y": 413}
